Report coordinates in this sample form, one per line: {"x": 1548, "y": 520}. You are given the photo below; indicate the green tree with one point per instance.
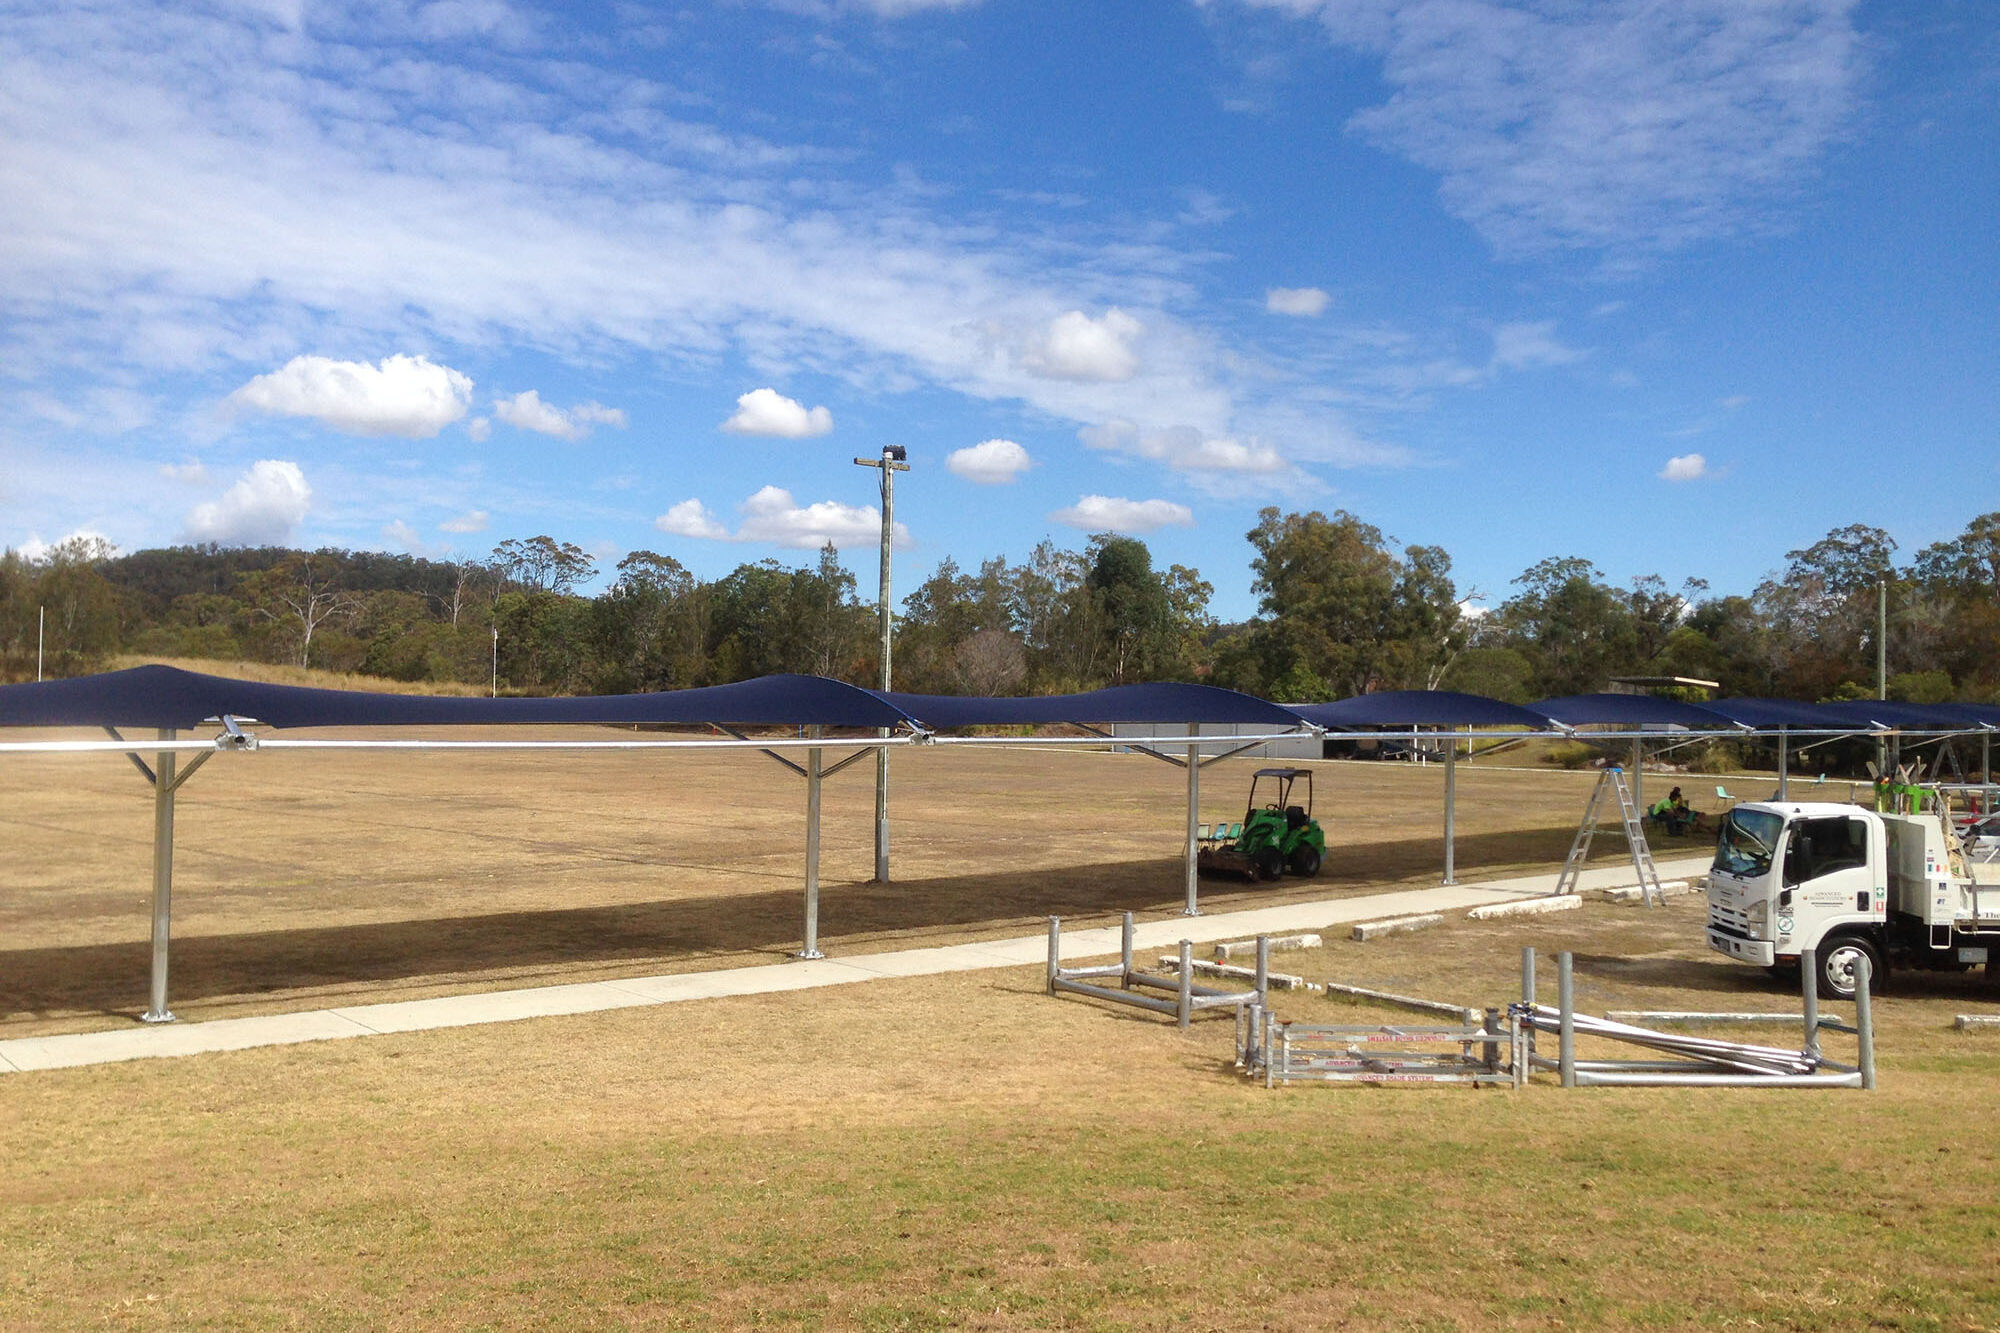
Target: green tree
{"x": 1342, "y": 615}
{"x": 544, "y": 564}
{"x": 1573, "y": 629}
{"x": 300, "y": 595}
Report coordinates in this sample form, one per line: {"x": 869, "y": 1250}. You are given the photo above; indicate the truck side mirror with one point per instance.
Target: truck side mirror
{"x": 1784, "y": 900}
{"x": 1794, "y": 866}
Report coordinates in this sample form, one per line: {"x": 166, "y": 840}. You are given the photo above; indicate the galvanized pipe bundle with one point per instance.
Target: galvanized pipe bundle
{"x": 1189, "y": 998}
{"x": 1699, "y": 1061}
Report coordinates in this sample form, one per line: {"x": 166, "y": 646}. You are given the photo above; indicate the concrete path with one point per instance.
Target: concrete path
{"x": 23, "y": 1054}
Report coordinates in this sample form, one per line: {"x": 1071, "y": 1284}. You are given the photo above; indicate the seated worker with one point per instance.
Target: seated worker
{"x": 1675, "y": 814}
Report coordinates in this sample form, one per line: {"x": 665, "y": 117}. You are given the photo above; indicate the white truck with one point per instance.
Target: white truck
{"x": 1847, "y": 883}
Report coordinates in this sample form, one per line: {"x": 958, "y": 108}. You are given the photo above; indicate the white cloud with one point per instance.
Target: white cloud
{"x": 263, "y": 508}
{"x": 691, "y": 518}
{"x": 474, "y": 521}
{"x": 1529, "y": 346}
{"x": 250, "y": 193}
{"x": 1685, "y": 467}
{"x": 35, "y": 549}
{"x": 768, "y": 412}
{"x": 404, "y": 395}
{"x": 527, "y": 411}
{"x": 190, "y": 473}
{"x": 1077, "y": 347}
{"x": 990, "y": 463}
{"x": 1306, "y": 301}
{"x": 773, "y": 516}
{"x": 1622, "y": 123}
{"x": 1184, "y": 448}
{"x": 480, "y": 429}
{"x": 1104, "y": 513}
{"x": 896, "y": 9}
{"x": 400, "y": 536}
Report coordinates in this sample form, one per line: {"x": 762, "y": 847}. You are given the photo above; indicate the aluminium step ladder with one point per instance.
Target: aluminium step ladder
{"x": 1613, "y": 780}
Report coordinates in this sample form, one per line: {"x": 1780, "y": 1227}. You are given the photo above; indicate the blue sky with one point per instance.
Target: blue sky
{"x": 1674, "y": 287}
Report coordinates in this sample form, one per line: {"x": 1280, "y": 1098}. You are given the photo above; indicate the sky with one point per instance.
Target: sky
{"x": 1673, "y": 287}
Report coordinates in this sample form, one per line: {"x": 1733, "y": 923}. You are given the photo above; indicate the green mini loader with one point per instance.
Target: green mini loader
{"x": 1273, "y": 838}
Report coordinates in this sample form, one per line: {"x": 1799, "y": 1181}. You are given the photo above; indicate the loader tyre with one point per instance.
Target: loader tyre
{"x": 1305, "y": 861}
{"x": 1270, "y": 863}
{"x": 1840, "y": 958}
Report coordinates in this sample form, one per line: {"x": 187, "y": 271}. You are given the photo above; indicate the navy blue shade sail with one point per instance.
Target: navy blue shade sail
{"x": 1164, "y": 703}
{"x": 1421, "y": 708}
{"x": 163, "y": 696}
{"x": 1630, "y": 710}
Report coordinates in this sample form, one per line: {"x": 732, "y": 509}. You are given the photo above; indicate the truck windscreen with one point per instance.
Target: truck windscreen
{"x": 1748, "y": 840}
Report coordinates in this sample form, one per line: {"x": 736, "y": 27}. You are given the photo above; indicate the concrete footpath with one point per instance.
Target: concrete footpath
{"x": 24, "y": 1054}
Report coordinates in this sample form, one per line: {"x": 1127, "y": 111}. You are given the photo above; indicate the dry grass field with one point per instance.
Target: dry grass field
{"x": 309, "y": 878}
{"x": 947, "y": 1152}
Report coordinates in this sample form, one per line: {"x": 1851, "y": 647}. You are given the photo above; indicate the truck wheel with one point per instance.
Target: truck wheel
{"x": 1839, "y": 958}
{"x": 1269, "y": 862}
{"x": 1305, "y": 860}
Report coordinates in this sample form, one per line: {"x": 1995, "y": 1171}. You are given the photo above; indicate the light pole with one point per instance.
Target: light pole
{"x": 496, "y": 662}
{"x": 893, "y": 460}
{"x": 41, "y": 634}
{"x": 1882, "y": 667}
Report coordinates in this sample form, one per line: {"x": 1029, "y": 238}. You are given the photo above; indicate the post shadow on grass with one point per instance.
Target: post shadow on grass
{"x": 537, "y": 947}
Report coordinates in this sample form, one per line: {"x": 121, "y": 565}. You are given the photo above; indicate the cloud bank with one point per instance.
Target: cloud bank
{"x": 990, "y": 463}
{"x": 263, "y": 508}
{"x": 1620, "y": 124}
{"x": 774, "y": 517}
{"x": 768, "y": 412}
{"x": 1105, "y": 513}
{"x": 403, "y": 395}
{"x": 527, "y": 411}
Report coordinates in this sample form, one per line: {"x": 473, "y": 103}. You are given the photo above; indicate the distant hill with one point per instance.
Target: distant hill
{"x": 269, "y": 673}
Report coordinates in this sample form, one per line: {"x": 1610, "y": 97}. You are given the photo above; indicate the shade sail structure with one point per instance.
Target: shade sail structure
{"x": 163, "y": 696}
{"x": 1890, "y": 714}
{"x": 1165, "y": 703}
{"x": 1630, "y": 710}
{"x": 1773, "y": 714}
{"x": 1421, "y": 708}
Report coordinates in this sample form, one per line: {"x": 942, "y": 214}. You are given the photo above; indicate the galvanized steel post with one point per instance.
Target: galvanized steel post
{"x": 1864, "y": 1022}
{"x": 1639, "y": 775}
{"x": 1125, "y": 932}
{"x": 1193, "y": 907}
{"x": 1450, "y": 809}
{"x": 1809, "y": 993}
{"x": 1566, "y": 998}
{"x": 1784, "y": 764}
{"x": 1186, "y": 1005}
{"x": 812, "y": 850}
{"x": 163, "y": 879}
{"x": 1055, "y": 951}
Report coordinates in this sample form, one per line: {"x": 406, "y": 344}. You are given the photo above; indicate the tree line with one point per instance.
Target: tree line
{"x": 1341, "y": 611}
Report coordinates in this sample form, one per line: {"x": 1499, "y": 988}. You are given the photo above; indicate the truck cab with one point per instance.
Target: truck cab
{"x": 1847, "y": 883}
